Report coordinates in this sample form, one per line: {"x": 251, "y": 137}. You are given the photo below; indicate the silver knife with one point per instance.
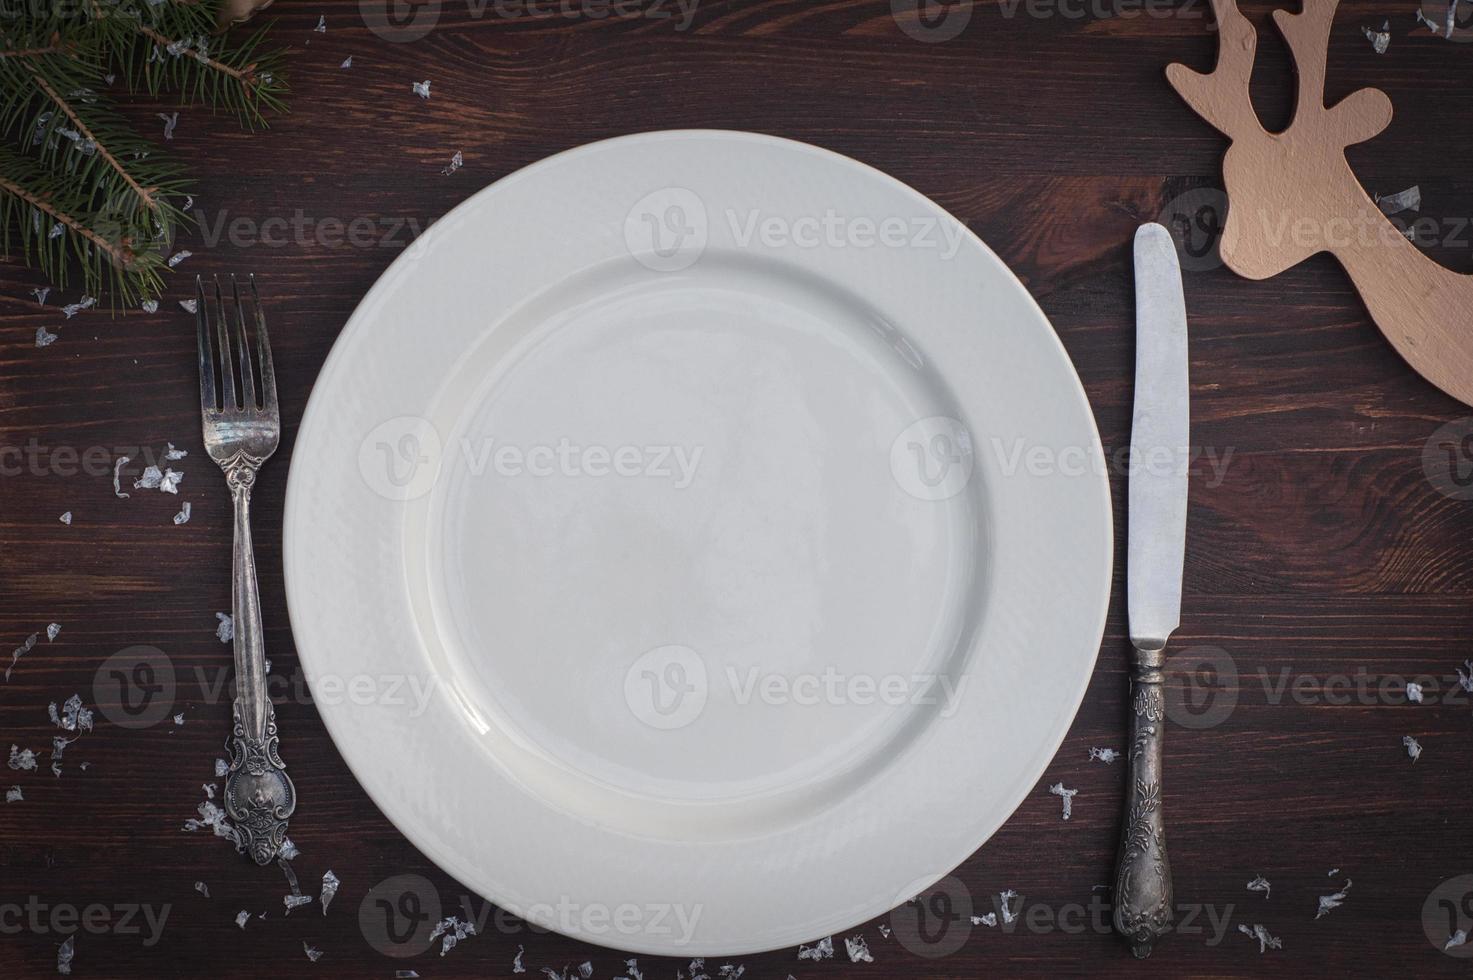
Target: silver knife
{"x": 1160, "y": 439}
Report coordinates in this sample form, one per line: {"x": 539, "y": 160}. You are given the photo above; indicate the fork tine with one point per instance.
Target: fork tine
{"x": 242, "y": 342}
{"x": 206, "y": 354}
{"x": 227, "y": 373}
{"x": 268, "y": 372}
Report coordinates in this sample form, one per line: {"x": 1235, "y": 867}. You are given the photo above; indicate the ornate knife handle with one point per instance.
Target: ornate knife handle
{"x": 259, "y": 795}
{"x": 1143, "y": 898}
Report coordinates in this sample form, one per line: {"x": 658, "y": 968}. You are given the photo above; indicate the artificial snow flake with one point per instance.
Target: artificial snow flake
{"x": 990, "y": 919}
{"x": 202, "y": 888}
{"x": 72, "y": 309}
{"x": 242, "y": 917}
{"x": 1260, "y": 884}
{"x": 171, "y": 119}
{"x": 19, "y": 652}
{"x": 330, "y": 884}
{"x": 14, "y": 795}
{"x": 225, "y": 630}
{"x": 422, "y": 89}
{"x": 44, "y": 337}
{"x": 189, "y": 305}
{"x": 55, "y": 231}
{"x": 858, "y": 950}
{"x": 1005, "y": 897}
{"x": 1407, "y": 200}
{"x": 347, "y": 62}
{"x": 150, "y": 306}
{"x": 313, "y": 953}
{"x": 321, "y": 27}
{"x": 66, "y": 518}
{"x": 22, "y": 759}
{"x": 41, "y": 292}
{"x": 456, "y": 162}
{"x": 1456, "y": 939}
{"x": 453, "y": 931}
{"x": 1067, "y": 795}
{"x": 1328, "y": 902}
{"x": 516, "y": 964}
{"x": 212, "y": 817}
{"x": 289, "y": 850}
{"x": 222, "y": 768}
{"x": 1414, "y": 692}
{"x": 183, "y": 516}
{"x": 1380, "y": 40}
{"x": 821, "y": 950}
{"x": 179, "y": 256}
{"x": 179, "y": 720}
{"x": 1106, "y": 756}
{"x": 1413, "y": 747}
{"x": 1265, "y": 940}
{"x": 118, "y": 490}
{"x": 294, "y": 901}
{"x": 64, "y": 956}
{"x": 73, "y": 717}
{"x": 53, "y": 630}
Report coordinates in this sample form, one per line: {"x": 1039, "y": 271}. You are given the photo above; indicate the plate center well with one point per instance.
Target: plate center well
{"x": 702, "y": 537}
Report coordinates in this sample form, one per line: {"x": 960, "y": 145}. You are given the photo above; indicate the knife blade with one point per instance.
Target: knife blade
{"x": 1160, "y": 438}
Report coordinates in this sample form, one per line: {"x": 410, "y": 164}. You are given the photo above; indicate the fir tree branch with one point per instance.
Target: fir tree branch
{"x": 123, "y": 257}
{"x": 145, "y": 194}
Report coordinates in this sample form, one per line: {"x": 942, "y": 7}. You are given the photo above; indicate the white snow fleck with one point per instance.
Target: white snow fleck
{"x": 1380, "y": 40}
{"x": 453, "y": 931}
{"x": 242, "y": 917}
{"x": 66, "y": 518}
{"x": 347, "y": 62}
{"x": 1005, "y": 897}
{"x": 1265, "y": 941}
{"x": 214, "y": 818}
{"x": 21, "y": 758}
{"x": 225, "y": 631}
{"x": 313, "y": 953}
{"x": 183, "y": 516}
{"x": 821, "y": 950}
{"x": 990, "y": 919}
{"x": 202, "y": 888}
{"x": 13, "y": 795}
{"x": 1260, "y": 884}
{"x": 321, "y": 27}
{"x": 189, "y": 305}
{"x": 73, "y": 717}
{"x": 170, "y": 482}
{"x": 289, "y": 850}
{"x": 456, "y": 162}
{"x": 1414, "y": 747}
{"x": 516, "y": 964}
{"x": 1067, "y": 795}
{"x": 64, "y": 956}
{"x": 222, "y": 768}
{"x": 294, "y": 901}
{"x": 209, "y": 789}
{"x": 118, "y": 477}
{"x": 858, "y": 950}
{"x": 72, "y": 309}
{"x": 151, "y": 306}
{"x": 422, "y": 89}
{"x": 1465, "y": 676}
{"x": 178, "y": 257}
{"x": 585, "y": 969}
{"x": 44, "y": 337}
{"x": 1328, "y": 902}
{"x": 330, "y": 884}
{"x": 1407, "y": 200}
{"x": 19, "y": 652}
{"x": 171, "y": 119}
{"x": 41, "y": 292}
{"x": 53, "y": 630}
{"x": 1106, "y": 756}
{"x": 1414, "y": 692}
{"x": 179, "y": 720}
{"x": 1456, "y": 939}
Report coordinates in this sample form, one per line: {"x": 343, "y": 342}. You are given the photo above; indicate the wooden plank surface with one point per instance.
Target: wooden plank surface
{"x": 1328, "y": 561}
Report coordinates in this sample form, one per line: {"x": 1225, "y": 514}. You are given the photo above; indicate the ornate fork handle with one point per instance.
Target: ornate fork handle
{"x": 259, "y": 795}
{"x": 1143, "y": 896}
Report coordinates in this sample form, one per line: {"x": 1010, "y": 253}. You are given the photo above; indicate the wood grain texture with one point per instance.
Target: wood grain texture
{"x": 1327, "y": 557}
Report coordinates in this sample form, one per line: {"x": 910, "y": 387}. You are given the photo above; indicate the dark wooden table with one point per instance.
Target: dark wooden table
{"x": 1329, "y": 560}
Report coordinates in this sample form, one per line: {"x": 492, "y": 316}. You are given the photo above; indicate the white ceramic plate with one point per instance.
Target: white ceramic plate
{"x": 697, "y": 543}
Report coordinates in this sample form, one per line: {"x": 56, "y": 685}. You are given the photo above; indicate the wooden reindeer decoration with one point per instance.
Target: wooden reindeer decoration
{"x": 1292, "y": 194}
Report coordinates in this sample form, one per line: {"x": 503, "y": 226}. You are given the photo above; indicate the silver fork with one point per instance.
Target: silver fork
{"x": 240, "y": 435}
